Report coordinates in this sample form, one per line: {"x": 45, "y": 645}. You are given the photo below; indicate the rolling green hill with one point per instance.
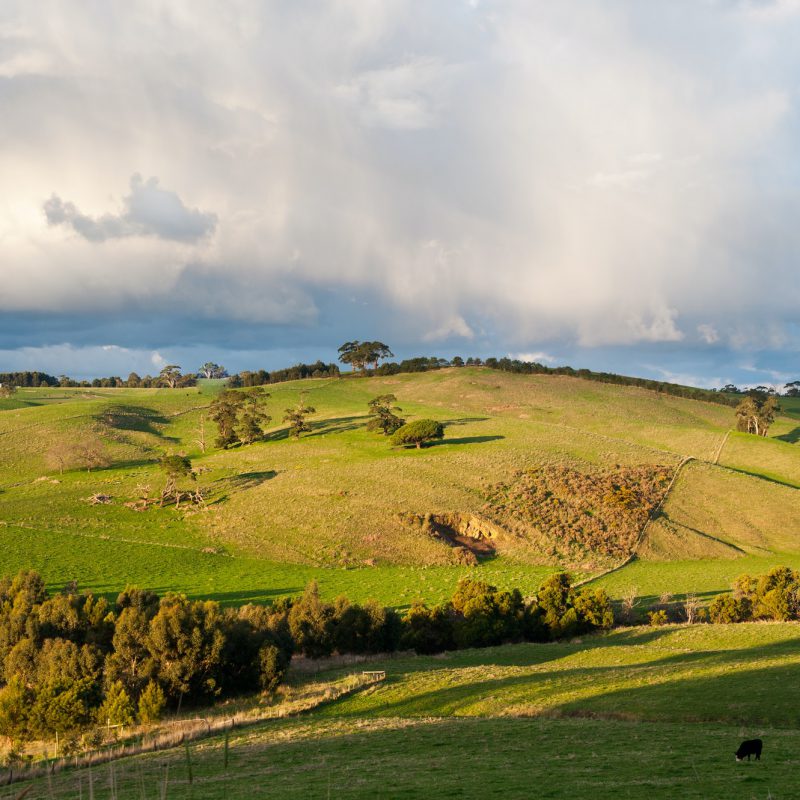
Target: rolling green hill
{"x": 342, "y": 505}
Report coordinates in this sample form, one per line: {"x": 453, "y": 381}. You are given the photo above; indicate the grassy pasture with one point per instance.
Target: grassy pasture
{"x": 637, "y": 713}
{"x": 283, "y": 511}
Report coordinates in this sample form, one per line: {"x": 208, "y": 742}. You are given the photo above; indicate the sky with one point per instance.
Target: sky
{"x": 608, "y": 184}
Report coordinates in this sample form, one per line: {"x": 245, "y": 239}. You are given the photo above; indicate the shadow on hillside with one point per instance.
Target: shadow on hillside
{"x": 463, "y": 421}
{"x": 131, "y": 463}
{"x": 793, "y": 437}
{"x": 336, "y": 425}
{"x": 465, "y": 440}
{"x": 742, "y": 690}
{"x": 133, "y": 418}
{"x": 249, "y": 480}
{"x": 321, "y": 428}
{"x": 761, "y": 476}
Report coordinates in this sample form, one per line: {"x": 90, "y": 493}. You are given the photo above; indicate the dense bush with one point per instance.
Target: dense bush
{"x": 774, "y": 596}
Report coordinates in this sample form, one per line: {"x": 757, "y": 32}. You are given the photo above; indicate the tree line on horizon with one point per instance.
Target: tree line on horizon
{"x": 364, "y": 358}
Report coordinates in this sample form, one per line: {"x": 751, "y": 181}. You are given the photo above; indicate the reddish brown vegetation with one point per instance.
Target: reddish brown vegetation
{"x": 580, "y": 517}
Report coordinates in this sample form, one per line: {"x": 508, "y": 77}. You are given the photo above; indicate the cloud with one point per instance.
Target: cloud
{"x": 538, "y": 357}
{"x": 516, "y": 174}
{"x": 406, "y": 96}
{"x": 147, "y": 211}
{"x": 452, "y": 327}
{"x": 708, "y": 333}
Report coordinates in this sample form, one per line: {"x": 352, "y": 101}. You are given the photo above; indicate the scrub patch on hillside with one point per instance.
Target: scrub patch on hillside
{"x": 591, "y": 519}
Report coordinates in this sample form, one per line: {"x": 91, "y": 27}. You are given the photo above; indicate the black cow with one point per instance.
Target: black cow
{"x": 750, "y": 747}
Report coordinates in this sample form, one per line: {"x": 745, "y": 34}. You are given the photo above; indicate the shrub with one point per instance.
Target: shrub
{"x": 658, "y": 617}
{"x": 418, "y": 433}
{"x": 726, "y": 608}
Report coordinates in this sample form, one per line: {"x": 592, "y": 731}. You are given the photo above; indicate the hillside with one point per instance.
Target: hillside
{"x": 635, "y": 713}
{"x": 509, "y": 487}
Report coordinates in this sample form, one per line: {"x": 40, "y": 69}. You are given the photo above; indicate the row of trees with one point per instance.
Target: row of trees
{"x": 74, "y": 660}
{"x": 298, "y": 372}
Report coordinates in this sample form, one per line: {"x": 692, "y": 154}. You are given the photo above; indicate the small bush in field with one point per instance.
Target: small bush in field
{"x": 658, "y": 617}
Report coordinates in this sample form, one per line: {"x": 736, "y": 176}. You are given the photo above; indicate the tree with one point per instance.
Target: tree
{"x": 224, "y": 410}
{"x": 361, "y": 354}
{"x": 151, "y": 703}
{"x": 174, "y": 467}
{"x": 117, "y": 708}
{"x": 382, "y": 416}
{"x": 170, "y": 375}
{"x": 7, "y": 389}
{"x": 418, "y": 433}
{"x": 252, "y": 418}
{"x": 792, "y": 389}
{"x": 133, "y": 381}
{"x": 186, "y": 642}
{"x": 61, "y": 455}
{"x": 15, "y": 702}
{"x": 296, "y": 417}
{"x": 756, "y": 412}
{"x": 312, "y": 624}
{"x": 212, "y": 370}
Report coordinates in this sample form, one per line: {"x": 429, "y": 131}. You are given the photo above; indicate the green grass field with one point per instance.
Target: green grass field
{"x": 334, "y": 505}
{"x": 636, "y": 713}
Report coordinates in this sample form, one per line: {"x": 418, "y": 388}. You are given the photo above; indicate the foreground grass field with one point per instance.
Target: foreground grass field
{"x": 336, "y": 504}
{"x": 637, "y": 713}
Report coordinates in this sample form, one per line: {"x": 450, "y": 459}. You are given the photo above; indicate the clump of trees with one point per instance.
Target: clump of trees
{"x": 774, "y": 596}
{"x": 360, "y": 355}
{"x": 382, "y": 415}
{"x": 172, "y": 377}
{"x": 756, "y": 412}
{"x": 73, "y": 660}
{"x": 240, "y": 416}
{"x": 418, "y": 433}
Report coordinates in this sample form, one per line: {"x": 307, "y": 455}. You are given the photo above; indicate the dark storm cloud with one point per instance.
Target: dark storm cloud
{"x": 148, "y": 210}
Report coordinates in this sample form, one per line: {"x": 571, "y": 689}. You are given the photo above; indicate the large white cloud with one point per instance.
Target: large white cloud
{"x": 598, "y": 173}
